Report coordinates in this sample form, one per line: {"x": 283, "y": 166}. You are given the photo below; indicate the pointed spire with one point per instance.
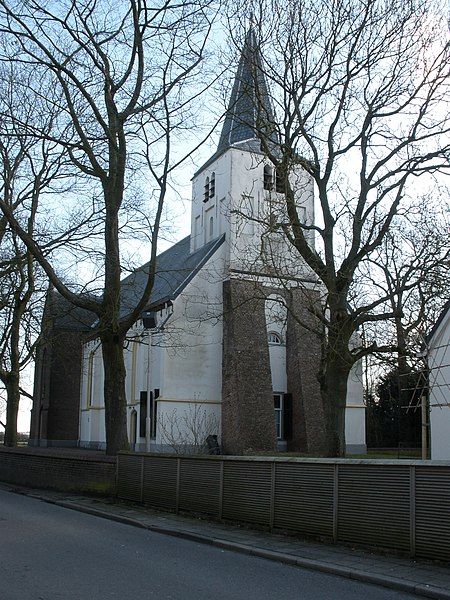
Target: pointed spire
{"x": 249, "y": 106}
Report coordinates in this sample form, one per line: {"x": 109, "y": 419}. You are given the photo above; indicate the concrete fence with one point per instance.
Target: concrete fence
{"x": 404, "y": 507}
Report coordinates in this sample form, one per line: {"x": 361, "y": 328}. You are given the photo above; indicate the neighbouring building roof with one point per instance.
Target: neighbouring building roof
{"x": 439, "y": 320}
{"x": 67, "y": 316}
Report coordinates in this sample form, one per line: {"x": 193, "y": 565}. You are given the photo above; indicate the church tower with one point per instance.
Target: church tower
{"x": 237, "y": 191}
{"x": 237, "y": 194}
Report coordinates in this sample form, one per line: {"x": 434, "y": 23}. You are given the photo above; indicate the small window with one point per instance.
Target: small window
{"x": 211, "y": 228}
{"x": 212, "y": 185}
{"x": 197, "y": 232}
{"x": 279, "y": 181}
{"x": 274, "y": 338}
{"x": 268, "y": 178}
{"x": 206, "y": 190}
{"x": 278, "y": 409}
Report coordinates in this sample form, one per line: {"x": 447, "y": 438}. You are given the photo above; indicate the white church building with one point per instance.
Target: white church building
{"x": 227, "y": 346}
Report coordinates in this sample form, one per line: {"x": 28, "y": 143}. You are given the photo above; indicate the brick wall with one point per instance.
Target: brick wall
{"x": 58, "y": 470}
{"x": 248, "y": 423}
{"x": 302, "y": 366}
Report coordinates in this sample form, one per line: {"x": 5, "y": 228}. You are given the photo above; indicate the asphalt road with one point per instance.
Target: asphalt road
{"x": 51, "y": 553}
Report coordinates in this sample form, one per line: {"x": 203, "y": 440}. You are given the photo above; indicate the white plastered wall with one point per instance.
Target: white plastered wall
{"x": 355, "y": 412}
{"x": 92, "y": 408}
{"x": 439, "y": 382}
{"x": 191, "y": 360}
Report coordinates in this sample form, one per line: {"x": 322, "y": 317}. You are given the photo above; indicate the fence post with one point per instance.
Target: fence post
{"x": 272, "y": 495}
{"x": 221, "y": 491}
{"x": 335, "y": 502}
{"x": 412, "y": 510}
{"x": 178, "y": 484}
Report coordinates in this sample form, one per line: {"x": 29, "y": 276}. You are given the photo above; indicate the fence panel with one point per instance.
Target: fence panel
{"x": 433, "y": 512}
{"x": 129, "y": 477}
{"x": 160, "y": 482}
{"x": 304, "y": 498}
{"x": 246, "y": 491}
{"x": 200, "y": 486}
{"x": 373, "y": 505}
{"x": 400, "y": 506}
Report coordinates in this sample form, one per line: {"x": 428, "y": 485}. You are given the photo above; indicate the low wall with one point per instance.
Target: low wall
{"x": 65, "y": 470}
{"x": 401, "y": 506}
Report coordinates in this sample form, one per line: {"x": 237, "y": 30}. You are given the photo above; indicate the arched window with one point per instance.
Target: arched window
{"x": 268, "y": 178}
{"x": 133, "y": 428}
{"x": 206, "y": 190}
{"x": 90, "y": 379}
{"x": 212, "y": 185}
{"x": 274, "y": 338}
{"x": 211, "y": 228}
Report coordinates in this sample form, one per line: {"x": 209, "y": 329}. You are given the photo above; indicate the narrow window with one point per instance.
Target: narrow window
{"x": 279, "y": 181}
{"x": 208, "y": 228}
{"x": 206, "y": 191}
{"x": 197, "y": 232}
{"x": 90, "y": 379}
{"x": 212, "y": 186}
{"x": 278, "y": 408}
{"x": 151, "y": 409}
{"x": 268, "y": 179}
{"x": 143, "y": 414}
{"x": 154, "y": 412}
{"x": 133, "y": 428}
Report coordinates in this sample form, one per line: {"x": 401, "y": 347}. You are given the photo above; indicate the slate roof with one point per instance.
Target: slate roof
{"x": 174, "y": 269}
{"x": 249, "y": 108}
{"x": 67, "y": 316}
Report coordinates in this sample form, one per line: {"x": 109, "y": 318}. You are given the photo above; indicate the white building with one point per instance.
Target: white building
{"x": 218, "y": 352}
{"x": 438, "y": 356}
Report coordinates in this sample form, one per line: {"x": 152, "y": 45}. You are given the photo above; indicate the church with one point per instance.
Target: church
{"x": 228, "y": 345}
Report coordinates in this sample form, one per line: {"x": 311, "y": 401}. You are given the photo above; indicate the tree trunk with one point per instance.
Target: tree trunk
{"x": 334, "y": 396}
{"x": 335, "y": 370}
{"x": 12, "y": 410}
{"x": 114, "y": 394}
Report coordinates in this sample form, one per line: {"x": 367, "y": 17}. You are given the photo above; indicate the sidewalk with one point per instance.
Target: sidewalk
{"x": 424, "y": 578}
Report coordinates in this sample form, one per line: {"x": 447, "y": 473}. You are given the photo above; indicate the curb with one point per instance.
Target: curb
{"x": 387, "y": 581}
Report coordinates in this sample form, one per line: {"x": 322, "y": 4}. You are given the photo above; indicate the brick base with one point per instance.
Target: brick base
{"x": 64, "y": 470}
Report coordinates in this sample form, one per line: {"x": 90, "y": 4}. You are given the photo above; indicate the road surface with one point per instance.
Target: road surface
{"x": 52, "y": 553}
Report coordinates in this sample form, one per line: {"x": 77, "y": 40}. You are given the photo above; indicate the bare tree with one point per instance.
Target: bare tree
{"x": 28, "y": 166}
{"x": 410, "y": 270}
{"x": 126, "y": 74}
{"x": 361, "y": 103}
